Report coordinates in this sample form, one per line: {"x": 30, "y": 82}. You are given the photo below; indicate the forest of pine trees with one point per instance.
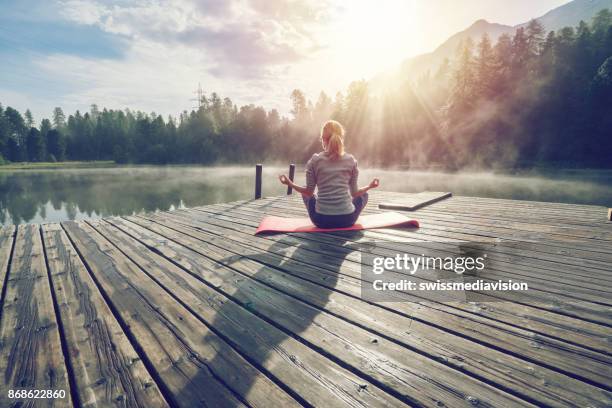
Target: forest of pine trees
{"x": 530, "y": 99}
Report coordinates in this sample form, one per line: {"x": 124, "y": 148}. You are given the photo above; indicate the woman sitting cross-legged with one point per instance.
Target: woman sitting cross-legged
{"x": 334, "y": 173}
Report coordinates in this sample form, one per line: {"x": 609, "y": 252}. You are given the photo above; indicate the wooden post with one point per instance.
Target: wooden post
{"x": 609, "y": 214}
{"x": 291, "y": 175}
{"x": 258, "y": 171}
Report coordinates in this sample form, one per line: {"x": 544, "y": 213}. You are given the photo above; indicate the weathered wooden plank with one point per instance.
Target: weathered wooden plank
{"x": 563, "y": 250}
{"x": 546, "y": 211}
{"x": 400, "y": 368}
{"x": 7, "y": 238}
{"x": 542, "y": 282}
{"x": 539, "y": 291}
{"x": 519, "y": 257}
{"x": 31, "y": 356}
{"x": 324, "y": 250}
{"x": 507, "y": 371}
{"x": 549, "y": 258}
{"x": 192, "y": 362}
{"x": 560, "y": 252}
{"x": 412, "y": 202}
{"x": 553, "y": 273}
{"x": 519, "y": 260}
{"x": 460, "y": 231}
{"x": 549, "y": 350}
{"x": 514, "y": 263}
{"x": 560, "y": 229}
{"x": 585, "y": 238}
{"x": 107, "y": 369}
{"x": 558, "y": 217}
{"x": 598, "y": 249}
{"x": 507, "y": 261}
{"x": 508, "y": 257}
{"x": 541, "y": 207}
{"x": 432, "y": 218}
{"x": 542, "y": 300}
{"x": 318, "y": 381}
{"x": 555, "y": 227}
{"x": 468, "y": 223}
{"x": 462, "y": 205}
{"x": 319, "y": 255}
{"x": 515, "y": 230}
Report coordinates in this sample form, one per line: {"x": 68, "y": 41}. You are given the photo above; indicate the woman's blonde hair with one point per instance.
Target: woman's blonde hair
{"x": 332, "y": 133}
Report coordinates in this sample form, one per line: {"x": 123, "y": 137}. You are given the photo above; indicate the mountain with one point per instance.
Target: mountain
{"x": 571, "y": 13}
{"x": 568, "y": 14}
{"x": 421, "y": 63}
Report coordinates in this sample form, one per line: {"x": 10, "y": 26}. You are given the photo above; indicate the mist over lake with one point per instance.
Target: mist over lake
{"x": 51, "y": 195}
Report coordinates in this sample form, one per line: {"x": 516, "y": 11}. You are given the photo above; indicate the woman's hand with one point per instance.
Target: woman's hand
{"x": 287, "y": 181}
{"x": 373, "y": 184}
{"x": 284, "y": 179}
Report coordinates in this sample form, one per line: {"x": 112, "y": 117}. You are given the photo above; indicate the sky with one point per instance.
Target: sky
{"x": 151, "y": 55}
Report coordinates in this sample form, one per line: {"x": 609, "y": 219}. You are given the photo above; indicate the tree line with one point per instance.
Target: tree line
{"x": 531, "y": 98}
{"x": 534, "y": 98}
{"x": 217, "y": 131}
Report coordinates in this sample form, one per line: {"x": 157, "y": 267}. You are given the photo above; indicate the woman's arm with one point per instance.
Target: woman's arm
{"x": 302, "y": 190}
{"x": 373, "y": 184}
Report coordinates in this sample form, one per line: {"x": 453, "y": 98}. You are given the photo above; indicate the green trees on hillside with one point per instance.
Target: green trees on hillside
{"x": 529, "y": 98}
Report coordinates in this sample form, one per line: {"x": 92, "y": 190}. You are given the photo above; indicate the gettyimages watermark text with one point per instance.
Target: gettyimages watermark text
{"x": 439, "y": 271}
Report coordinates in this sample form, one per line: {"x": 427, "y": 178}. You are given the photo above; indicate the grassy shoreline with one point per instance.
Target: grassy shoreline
{"x": 55, "y": 165}
{"x": 519, "y": 171}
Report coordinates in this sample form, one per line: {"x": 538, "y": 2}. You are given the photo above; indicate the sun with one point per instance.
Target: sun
{"x": 376, "y": 36}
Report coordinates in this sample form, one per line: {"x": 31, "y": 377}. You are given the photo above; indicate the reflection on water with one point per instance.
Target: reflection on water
{"x": 62, "y": 194}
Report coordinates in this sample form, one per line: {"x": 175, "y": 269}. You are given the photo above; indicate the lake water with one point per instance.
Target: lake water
{"x": 49, "y": 195}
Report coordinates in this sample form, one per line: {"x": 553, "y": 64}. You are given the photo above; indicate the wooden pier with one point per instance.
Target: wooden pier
{"x": 188, "y": 308}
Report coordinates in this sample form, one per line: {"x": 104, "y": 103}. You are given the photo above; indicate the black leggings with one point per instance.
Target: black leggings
{"x": 335, "y": 221}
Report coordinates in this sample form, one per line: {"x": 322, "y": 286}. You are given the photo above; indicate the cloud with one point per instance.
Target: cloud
{"x": 26, "y": 27}
{"x": 237, "y": 38}
{"x": 150, "y": 55}
{"x": 239, "y": 51}
{"x": 213, "y": 7}
{"x": 142, "y": 81}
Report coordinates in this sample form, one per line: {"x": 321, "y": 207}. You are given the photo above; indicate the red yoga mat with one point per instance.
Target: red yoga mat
{"x": 382, "y": 220}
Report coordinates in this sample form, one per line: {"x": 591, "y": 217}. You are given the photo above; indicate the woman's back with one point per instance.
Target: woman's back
{"x": 334, "y": 173}
{"x": 336, "y": 179}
